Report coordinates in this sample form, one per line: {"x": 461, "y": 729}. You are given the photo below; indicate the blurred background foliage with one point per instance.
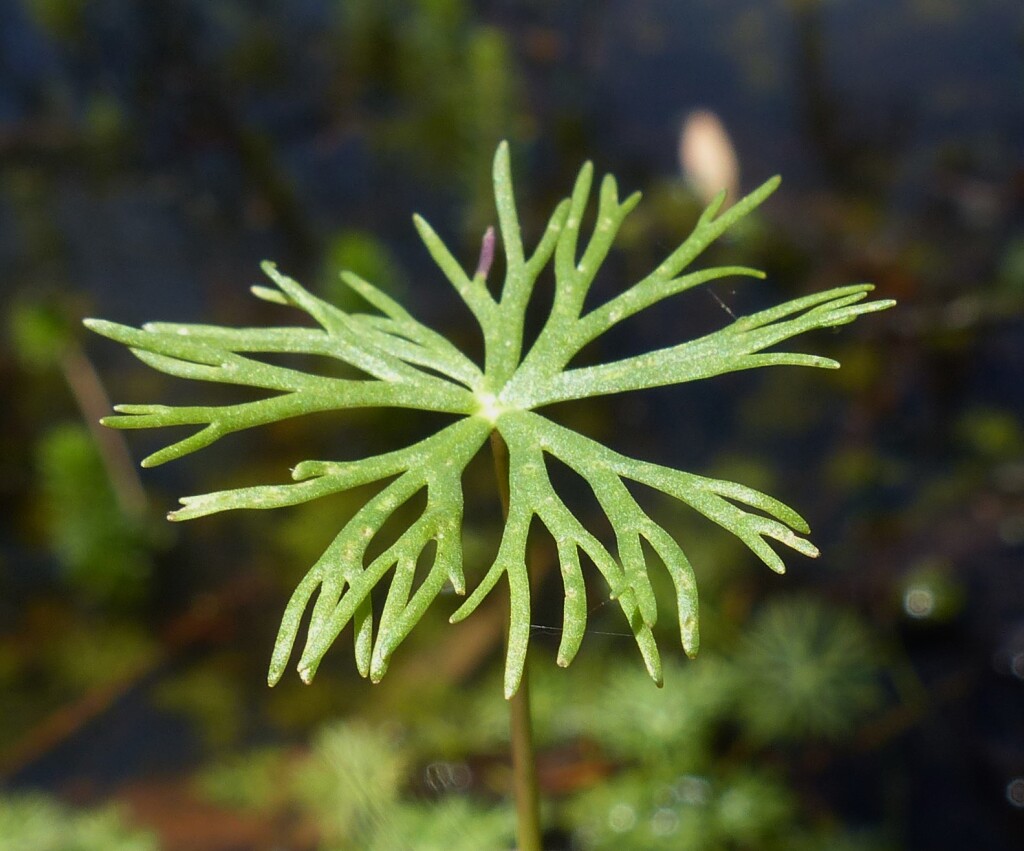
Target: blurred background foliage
{"x": 152, "y": 154}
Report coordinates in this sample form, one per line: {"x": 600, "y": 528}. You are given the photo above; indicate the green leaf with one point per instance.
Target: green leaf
{"x": 407, "y": 364}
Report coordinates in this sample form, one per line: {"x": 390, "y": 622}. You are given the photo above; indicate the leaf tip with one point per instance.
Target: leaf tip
{"x": 307, "y": 470}
{"x": 765, "y": 189}
{"x": 191, "y": 507}
{"x": 278, "y": 665}
{"x": 501, "y": 170}
{"x": 106, "y": 328}
{"x": 269, "y": 294}
{"x": 423, "y": 228}
{"x": 378, "y": 669}
{"x": 690, "y": 634}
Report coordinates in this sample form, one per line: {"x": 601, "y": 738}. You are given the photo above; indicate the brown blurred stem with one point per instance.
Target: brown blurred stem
{"x": 94, "y": 404}
{"x": 524, "y": 757}
{"x": 209, "y": 617}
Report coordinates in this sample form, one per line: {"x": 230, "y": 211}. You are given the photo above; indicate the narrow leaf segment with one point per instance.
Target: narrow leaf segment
{"x": 400, "y": 362}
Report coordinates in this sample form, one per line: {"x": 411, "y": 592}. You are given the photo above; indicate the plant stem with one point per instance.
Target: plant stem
{"x": 524, "y": 758}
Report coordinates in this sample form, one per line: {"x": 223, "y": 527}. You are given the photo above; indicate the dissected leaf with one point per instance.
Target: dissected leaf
{"x": 409, "y": 365}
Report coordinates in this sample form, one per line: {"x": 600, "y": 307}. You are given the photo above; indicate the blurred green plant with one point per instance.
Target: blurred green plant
{"x": 449, "y": 128}
{"x": 805, "y": 670}
{"x": 352, "y": 783}
{"x": 35, "y": 822}
{"x": 90, "y": 506}
{"x": 352, "y": 788}
{"x": 365, "y": 255}
{"x": 83, "y": 656}
{"x": 247, "y": 781}
{"x": 61, "y": 18}
{"x": 209, "y": 699}
{"x": 40, "y": 334}
{"x": 103, "y": 552}
{"x": 990, "y": 433}
{"x": 744, "y": 810}
{"x": 628, "y": 769}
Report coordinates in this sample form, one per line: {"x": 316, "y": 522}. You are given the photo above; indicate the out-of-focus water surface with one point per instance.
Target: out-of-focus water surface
{"x": 152, "y": 154}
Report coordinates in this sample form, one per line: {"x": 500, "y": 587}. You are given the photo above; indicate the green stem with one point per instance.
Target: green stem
{"x": 524, "y": 758}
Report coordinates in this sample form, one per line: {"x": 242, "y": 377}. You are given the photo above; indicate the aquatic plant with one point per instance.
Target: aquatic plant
{"x": 816, "y": 662}
{"x": 42, "y": 823}
{"x": 409, "y": 365}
